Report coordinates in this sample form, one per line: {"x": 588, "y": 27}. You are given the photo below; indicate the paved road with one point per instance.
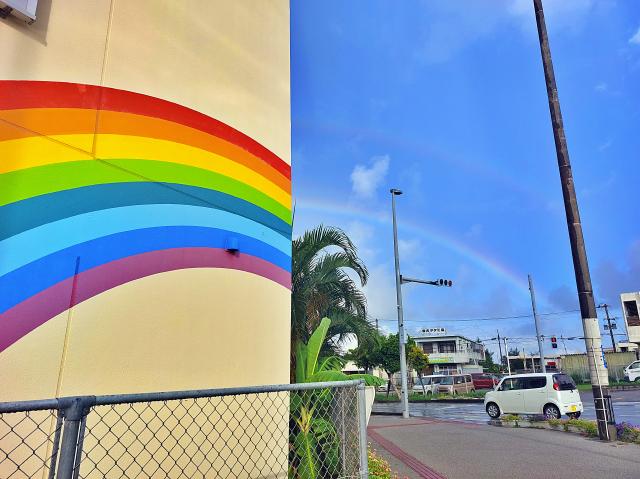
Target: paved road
{"x": 435, "y": 449}
{"x": 626, "y": 408}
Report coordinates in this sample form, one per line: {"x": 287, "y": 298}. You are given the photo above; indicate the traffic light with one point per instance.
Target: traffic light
{"x": 445, "y": 282}
{"x": 554, "y": 342}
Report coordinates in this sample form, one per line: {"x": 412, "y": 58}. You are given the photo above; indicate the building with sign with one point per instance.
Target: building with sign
{"x": 450, "y": 353}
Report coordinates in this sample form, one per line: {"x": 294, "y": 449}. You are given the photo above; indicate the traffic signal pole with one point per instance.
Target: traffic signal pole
{"x": 593, "y": 341}
{"x": 401, "y": 334}
{"x": 400, "y": 280}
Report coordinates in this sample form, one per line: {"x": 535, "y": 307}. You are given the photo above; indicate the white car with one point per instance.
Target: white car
{"x": 551, "y": 394}
{"x": 430, "y": 384}
{"x": 632, "y": 372}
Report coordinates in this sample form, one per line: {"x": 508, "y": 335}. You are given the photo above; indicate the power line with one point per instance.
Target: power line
{"x": 494, "y": 318}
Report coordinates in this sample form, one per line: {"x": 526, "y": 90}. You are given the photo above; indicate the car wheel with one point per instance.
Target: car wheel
{"x": 429, "y": 393}
{"x": 493, "y": 410}
{"x": 574, "y": 415}
{"x": 637, "y": 380}
{"x": 551, "y": 411}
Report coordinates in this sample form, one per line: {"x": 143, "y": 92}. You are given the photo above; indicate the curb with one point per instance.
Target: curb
{"x": 535, "y": 425}
{"x": 461, "y": 400}
{"x": 470, "y": 400}
{"x": 385, "y": 413}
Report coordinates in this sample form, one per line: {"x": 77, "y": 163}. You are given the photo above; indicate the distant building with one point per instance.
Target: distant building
{"x": 630, "y": 307}
{"x": 450, "y": 353}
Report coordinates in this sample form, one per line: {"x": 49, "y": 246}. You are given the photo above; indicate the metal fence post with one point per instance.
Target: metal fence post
{"x": 362, "y": 416}
{"x": 74, "y": 410}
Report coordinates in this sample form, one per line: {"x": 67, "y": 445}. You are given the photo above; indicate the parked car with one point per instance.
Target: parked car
{"x": 383, "y": 387}
{"x": 456, "y": 384}
{"x": 484, "y": 381}
{"x": 430, "y": 384}
{"x": 632, "y": 372}
{"x": 551, "y": 394}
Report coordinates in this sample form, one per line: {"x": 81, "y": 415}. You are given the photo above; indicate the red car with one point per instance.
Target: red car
{"x": 484, "y": 381}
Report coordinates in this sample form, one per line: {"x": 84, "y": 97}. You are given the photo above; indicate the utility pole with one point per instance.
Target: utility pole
{"x": 535, "y": 318}
{"x": 401, "y": 337}
{"x": 593, "y": 341}
{"x": 506, "y": 349}
{"x": 606, "y": 312}
{"x": 499, "y": 346}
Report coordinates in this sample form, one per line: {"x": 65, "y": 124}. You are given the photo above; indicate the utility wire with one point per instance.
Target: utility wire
{"x": 495, "y": 318}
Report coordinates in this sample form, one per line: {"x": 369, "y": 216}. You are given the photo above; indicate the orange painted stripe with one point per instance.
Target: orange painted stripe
{"x": 23, "y": 123}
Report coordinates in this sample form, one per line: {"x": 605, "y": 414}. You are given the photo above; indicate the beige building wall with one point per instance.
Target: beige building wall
{"x": 200, "y": 326}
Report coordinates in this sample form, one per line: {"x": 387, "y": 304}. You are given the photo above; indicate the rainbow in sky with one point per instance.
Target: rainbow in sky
{"x": 100, "y": 187}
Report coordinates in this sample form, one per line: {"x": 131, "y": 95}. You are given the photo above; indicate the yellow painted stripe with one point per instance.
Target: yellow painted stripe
{"x": 39, "y": 151}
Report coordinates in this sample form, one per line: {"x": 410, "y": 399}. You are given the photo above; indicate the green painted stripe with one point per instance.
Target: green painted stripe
{"x": 40, "y": 180}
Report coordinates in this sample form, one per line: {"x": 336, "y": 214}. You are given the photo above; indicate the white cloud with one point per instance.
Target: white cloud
{"x": 366, "y": 180}
{"x": 361, "y": 235}
{"x": 381, "y": 292}
{"x": 453, "y": 25}
{"x": 605, "y": 146}
{"x": 635, "y": 39}
{"x": 602, "y": 86}
{"x": 409, "y": 248}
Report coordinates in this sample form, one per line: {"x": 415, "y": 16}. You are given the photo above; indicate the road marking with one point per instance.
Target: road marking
{"x": 408, "y": 460}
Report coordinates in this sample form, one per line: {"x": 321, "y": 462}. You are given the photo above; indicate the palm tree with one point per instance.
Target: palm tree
{"x": 323, "y": 259}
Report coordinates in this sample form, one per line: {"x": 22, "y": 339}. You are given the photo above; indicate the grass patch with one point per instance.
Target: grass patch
{"x": 587, "y": 386}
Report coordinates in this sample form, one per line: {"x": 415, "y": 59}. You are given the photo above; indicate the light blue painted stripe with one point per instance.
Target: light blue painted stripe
{"x": 36, "y": 243}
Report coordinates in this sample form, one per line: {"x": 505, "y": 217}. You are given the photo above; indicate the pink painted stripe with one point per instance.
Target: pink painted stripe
{"x": 39, "y": 308}
{"x": 420, "y": 468}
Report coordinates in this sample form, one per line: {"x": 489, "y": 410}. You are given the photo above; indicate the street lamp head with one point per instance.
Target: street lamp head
{"x": 393, "y": 191}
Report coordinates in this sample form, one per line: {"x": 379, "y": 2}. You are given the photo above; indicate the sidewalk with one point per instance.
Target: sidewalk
{"x": 436, "y": 449}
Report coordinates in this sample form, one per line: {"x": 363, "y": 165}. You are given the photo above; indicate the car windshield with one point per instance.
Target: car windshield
{"x": 564, "y": 382}
{"x": 447, "y": 380}
{"x": 425, "y": 381}
{"x": 436, "y": 380}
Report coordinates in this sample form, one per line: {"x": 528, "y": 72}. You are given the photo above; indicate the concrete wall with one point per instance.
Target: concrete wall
{"x": 138, "y": 141}
{"x": 577, "y": 366}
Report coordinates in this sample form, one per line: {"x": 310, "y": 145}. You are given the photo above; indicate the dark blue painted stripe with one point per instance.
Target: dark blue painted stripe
{"x": 34, "y": 277}
{"x": 39, "y": 210}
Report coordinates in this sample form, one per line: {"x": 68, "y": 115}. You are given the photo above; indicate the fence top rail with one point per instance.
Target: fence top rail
{"x": 25, "y": 406}
{"x": 88, "y": 401}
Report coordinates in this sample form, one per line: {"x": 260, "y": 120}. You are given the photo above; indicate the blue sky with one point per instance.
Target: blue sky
{"x": 446, "y": 101}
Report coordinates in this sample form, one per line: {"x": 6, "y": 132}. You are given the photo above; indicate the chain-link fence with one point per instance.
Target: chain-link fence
{"x": 297, "y": 431}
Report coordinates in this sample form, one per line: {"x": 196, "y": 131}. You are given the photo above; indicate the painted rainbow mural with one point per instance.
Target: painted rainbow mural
{"x": 100, "y": 187}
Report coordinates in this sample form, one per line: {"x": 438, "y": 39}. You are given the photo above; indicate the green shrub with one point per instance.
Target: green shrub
{"x": 554, "y": 423}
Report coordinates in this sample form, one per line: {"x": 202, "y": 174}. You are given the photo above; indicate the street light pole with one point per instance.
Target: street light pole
{"x": 590, "y": 325}
{"x": 401, "y": 335}
{"x": 535, "y": 318}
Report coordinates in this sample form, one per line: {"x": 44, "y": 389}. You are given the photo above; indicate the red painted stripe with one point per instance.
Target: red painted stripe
{"x": 420, "y": 468}
{"x": 39, "y": 308}
{"x": 22, "y": 94}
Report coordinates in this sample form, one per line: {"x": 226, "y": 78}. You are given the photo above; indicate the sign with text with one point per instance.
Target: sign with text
{"x": 434, "y": 331}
